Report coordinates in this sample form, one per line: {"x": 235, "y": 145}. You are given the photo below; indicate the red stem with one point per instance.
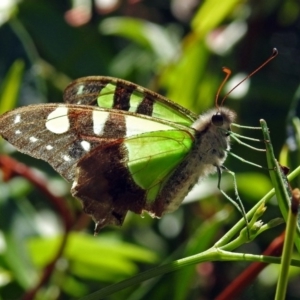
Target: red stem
{"x": 244, "y": 279}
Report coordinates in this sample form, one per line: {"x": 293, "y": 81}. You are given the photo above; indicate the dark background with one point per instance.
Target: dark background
{"x": 177, "y": 50}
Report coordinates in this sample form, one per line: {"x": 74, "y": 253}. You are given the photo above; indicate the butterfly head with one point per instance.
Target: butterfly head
{"x": 222, "y": 119}
{"x": 216, "y": 119}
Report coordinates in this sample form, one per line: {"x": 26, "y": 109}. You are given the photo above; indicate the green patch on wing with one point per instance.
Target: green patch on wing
{"x": 106, "y": 96}
{"x": 162, "y": 109}
{"x": 153, "y": 156}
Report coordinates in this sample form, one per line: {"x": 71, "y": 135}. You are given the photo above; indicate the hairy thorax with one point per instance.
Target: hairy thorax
{"x": 209, "y": 152}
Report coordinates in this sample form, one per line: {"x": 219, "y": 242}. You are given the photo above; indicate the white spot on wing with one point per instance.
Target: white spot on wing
{"x": 99, "y": 120}
{"x": 49, "y": 147}
{"x": 33, "y": 139}
{"x": 80, "y": 89}
{"x": 79, "y": 92}
{"x": 67, "y": 158}
{"x": 86, "y": 146}
{"x": 17, "y": 119}
{"x": 58, "y": 120}
{"x": 136, "y": 125}
{"x": 74, "y": 184}
{"x": 18, "y": 132}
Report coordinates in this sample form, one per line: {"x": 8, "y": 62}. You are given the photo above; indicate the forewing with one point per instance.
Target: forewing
{"x": 31, "y": 129}
{"x": 118, "y": 161}
{"x": 109, "y": 92}
{"x": 63, "y": 134}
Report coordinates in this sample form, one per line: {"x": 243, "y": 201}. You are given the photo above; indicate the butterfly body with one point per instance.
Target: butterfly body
{"x": 122, "y": 146}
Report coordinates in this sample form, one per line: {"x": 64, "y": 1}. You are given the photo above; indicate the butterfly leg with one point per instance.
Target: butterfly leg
{"x": 244, "y": 160}
{"x": 238, "y": 203}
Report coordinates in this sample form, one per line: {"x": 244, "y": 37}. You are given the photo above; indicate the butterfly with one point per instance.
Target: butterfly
{"x": 123, "y": 147}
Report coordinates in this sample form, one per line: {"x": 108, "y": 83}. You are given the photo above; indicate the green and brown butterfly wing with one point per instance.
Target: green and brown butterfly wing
{"x": 128, "y": 174}
{"x": 117, "y": 160}
{"x": 114, "y": 93}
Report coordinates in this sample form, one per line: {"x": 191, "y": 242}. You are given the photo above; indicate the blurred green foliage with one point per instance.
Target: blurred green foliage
{"x": 175, "y": 49}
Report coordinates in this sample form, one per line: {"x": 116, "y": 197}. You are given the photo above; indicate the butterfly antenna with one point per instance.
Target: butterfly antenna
{"x": 274, "y": 54}
{"x": 228, "y": 73}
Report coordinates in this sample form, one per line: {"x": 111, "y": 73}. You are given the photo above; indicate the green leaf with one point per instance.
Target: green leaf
{"x": 279, "y": 180}
{"x": 115, "y": 259}
{"x": 144, "y": 33}
{"x": 210, "y": 14}
{"x": 10, "y": 87}
{"x": 17, "y": 262}
{"x": 245, "y": 184}
{"x": 73, "y": 287}
{"x": 192, "y": 65}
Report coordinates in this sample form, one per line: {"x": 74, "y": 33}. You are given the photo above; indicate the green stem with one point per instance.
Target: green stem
{"x": 212, "y": 254}
{"x": 287, "y": 249}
